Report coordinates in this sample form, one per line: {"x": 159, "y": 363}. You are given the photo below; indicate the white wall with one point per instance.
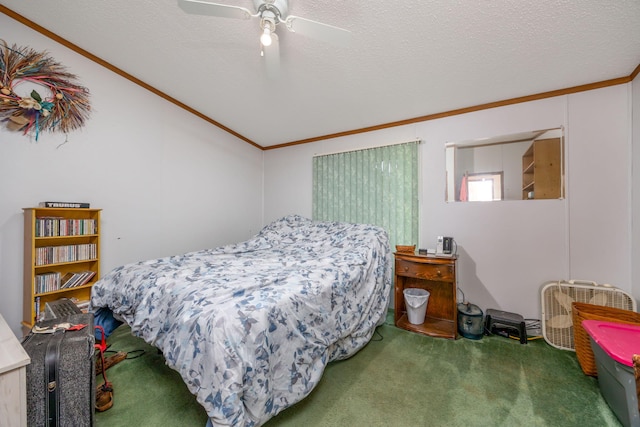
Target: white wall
{"x": 167, "y": 181}
{"x": 600, "y": 185}
{"x": 508, "y": 250}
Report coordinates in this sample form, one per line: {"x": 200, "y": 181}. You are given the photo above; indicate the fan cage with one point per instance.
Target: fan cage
{"x": 555, "y": 303}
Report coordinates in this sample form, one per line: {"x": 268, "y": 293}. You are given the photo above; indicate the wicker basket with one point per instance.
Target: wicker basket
{"x": 583, "y": 311}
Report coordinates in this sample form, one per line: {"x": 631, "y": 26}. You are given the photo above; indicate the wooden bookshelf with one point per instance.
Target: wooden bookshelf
{"x": 59, "y": 244}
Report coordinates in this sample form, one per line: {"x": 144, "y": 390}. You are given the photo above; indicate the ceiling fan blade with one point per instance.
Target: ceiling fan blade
{"x": 318, "y": 30}
{"x": 202, "y": 7}
{"x": 272, "y": 57}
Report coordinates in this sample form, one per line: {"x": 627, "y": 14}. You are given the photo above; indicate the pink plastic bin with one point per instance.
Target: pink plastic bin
{"x": 614, "y": 345}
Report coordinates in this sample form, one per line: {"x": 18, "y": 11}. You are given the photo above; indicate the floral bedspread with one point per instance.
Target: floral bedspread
{"x": 251, "y": 326}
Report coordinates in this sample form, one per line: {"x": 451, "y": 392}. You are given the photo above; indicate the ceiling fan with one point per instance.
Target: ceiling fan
{"x": 270, "y": 13}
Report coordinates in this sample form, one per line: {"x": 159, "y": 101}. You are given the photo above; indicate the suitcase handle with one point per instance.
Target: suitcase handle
{"x": 52, "y": 394}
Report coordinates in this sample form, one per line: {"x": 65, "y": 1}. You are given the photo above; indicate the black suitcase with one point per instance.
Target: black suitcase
{"x": 61, "y": 376}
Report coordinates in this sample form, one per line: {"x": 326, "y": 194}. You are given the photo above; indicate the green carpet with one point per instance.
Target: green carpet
{"x": 399, "y": 379}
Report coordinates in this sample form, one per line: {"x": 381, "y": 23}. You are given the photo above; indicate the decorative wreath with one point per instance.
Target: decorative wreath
{"x": 64, "y": 108}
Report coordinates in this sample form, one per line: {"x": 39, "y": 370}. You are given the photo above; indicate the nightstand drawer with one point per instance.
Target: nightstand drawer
{"x": 437, "y": 272}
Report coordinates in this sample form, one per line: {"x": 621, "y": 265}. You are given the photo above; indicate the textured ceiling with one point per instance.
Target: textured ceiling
{"x": 407, "y": 58}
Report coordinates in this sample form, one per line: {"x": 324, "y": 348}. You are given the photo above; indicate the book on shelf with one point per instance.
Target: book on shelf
{"x": 78, "y": 205}
{"x": 65, "y": 279}
{"x": 77, "y": 279}
{"x": 85, "y": 278}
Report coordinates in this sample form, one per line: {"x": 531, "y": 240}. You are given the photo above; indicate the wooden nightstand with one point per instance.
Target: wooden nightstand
{"x": 436, "y": 275}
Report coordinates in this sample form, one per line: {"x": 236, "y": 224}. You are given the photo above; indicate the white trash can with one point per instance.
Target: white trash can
{"x": 416, "y": 300}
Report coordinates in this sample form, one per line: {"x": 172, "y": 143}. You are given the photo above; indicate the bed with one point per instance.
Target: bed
{"x": 251, "y": 326}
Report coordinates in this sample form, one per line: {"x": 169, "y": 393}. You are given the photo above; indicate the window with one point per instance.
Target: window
{"x": 374, "y": 186}
{"x": 482, "y": 187}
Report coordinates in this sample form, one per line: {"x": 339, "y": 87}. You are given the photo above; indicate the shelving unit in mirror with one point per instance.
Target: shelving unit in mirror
{"x": 542, "y": 170}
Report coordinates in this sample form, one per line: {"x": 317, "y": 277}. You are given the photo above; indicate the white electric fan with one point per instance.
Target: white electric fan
{"x": 557, "y": 299}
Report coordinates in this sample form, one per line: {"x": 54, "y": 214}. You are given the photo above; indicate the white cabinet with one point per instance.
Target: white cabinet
{"x": 13, "y": 378}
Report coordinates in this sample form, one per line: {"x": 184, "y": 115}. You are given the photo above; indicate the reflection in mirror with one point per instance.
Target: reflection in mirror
{"x": 482, "y": 187}
{"x": 523, "y": 166}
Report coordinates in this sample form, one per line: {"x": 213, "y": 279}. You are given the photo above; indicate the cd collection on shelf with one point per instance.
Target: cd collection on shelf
{"x": 69, "y": 253}
{"x": 56, "y": 226}
{"x": 49, "y": 282}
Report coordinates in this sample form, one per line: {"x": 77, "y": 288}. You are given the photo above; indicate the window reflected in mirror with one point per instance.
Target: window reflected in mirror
{"x": 522, "y": 166}
{"x": 481, "y": 187}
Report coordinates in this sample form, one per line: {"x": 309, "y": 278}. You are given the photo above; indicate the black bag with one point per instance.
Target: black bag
{"x": 61, "y": 376}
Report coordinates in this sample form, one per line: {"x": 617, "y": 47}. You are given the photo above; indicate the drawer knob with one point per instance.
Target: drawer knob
{"x": 439, "y": 273}
{"x": 406, "y": 268}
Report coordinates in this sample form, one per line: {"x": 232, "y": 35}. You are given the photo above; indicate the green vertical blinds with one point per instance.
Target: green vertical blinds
{"x": 374, "y": 186}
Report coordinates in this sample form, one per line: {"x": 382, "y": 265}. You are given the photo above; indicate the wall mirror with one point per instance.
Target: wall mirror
{"x": 522, "y": 166}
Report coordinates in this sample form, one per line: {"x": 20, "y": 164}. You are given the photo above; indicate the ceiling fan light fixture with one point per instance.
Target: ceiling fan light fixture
{"x": 265, "y": 38}
{"x": 270, "y": 13}
{"x": 268, "y": 27}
